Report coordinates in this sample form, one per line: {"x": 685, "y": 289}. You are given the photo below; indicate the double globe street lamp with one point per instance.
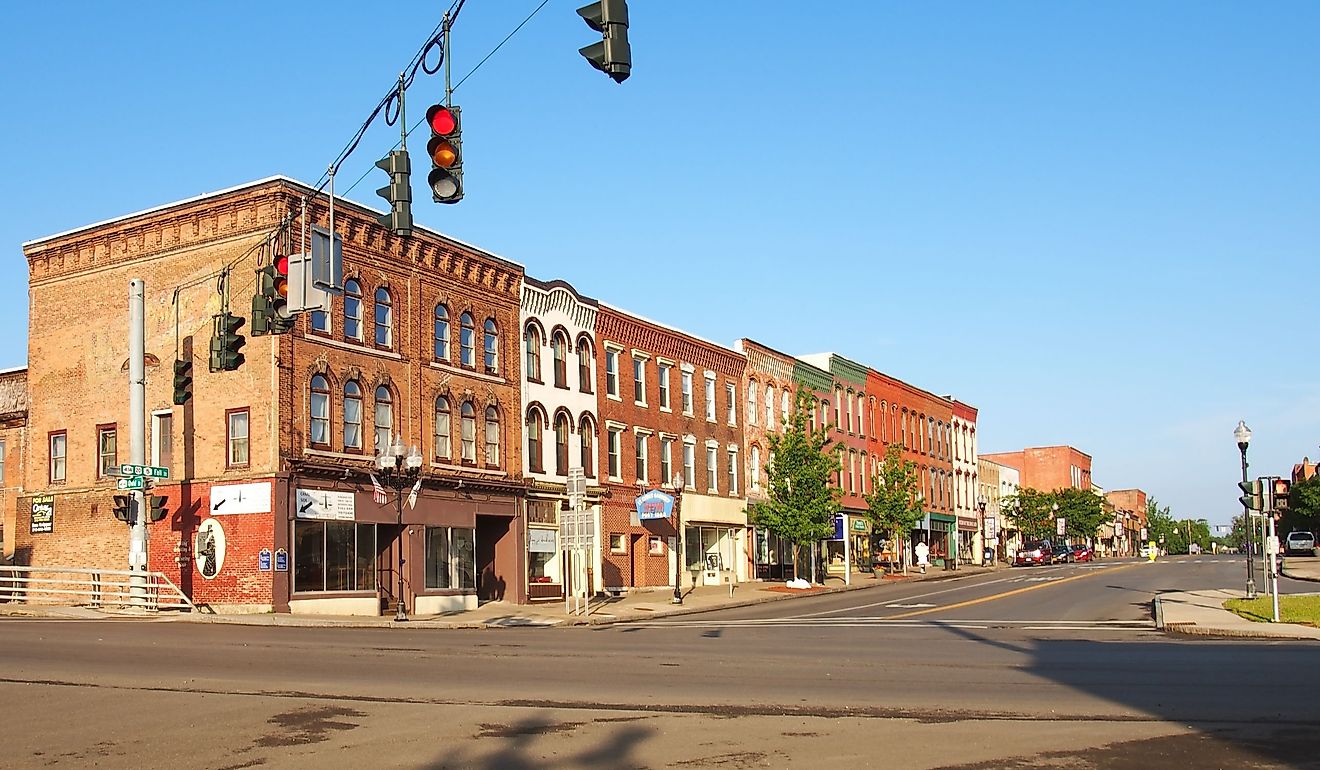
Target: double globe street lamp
{"x": 400, "y": 468}
{"x": 676, "y": 484}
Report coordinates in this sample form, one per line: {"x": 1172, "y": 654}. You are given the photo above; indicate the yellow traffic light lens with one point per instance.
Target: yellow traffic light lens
{"x": 444, "y": 155}
{"x": 282, "y": 287}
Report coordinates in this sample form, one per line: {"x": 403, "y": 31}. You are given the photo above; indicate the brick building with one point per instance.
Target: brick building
{"x": 669, "y": 406}
{"x": 921, "y": 423}
{"x": 1048, "y": 468}
{"x": 561, "y": 426}
{"x": 1129, "y": 507}
{"x": 966, "y": 501}
{"x": 274, "y": 460}
{"x": 13, "y": 432}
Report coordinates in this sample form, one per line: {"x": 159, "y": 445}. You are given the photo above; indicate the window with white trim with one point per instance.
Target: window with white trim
{"x": 710, "y": 397}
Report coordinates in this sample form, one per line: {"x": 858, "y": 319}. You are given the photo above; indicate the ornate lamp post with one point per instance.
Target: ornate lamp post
{"x": 676, "y": 484}
{"x": 1243, "y": 436}
{"x": 980, "y": 507}
{"x": 399, "y": 470}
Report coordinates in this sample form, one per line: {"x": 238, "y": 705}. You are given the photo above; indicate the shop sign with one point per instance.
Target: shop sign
{"x": 1060, "y": 524}
{"x": 859, "y": 525}
{"x": 209, "y": 551}
{"x": 654, "y": 505}
{"x": 240, "y": 498}
{"x": 541, "y": 540}
{"x": 991, "y": 527}
{"x": 43, "y": 514}
{"x": 324, "y": 504}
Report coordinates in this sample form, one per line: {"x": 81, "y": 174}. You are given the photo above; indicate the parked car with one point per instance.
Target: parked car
{"x": 1034, "y": 553}
{"x": 1299, "y": 544}
{"x": 1079, "y": 552}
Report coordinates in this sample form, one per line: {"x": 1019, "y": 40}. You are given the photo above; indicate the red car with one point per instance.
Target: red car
{"x": 1034, "y": 553}
{"x": 1078, "y": 553}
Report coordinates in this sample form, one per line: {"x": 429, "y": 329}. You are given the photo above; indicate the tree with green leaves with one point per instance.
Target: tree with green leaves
{"x": 802, "y": 498}
{"x": 894, "y": 504}
{"x": 1303, "y": 507}
{"x": 1162, "y": 528}
{"x": 1082, "y": 511}
{"x": 1031, "y": 513}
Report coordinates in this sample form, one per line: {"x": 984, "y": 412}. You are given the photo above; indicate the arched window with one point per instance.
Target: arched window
{"x": 467, "y": 333}
{"x": 559, "y": 349}
{"x": 861, "y": 414}
{"x": 384, "y": 319}
{"x": 561, "y": 444}
{"x": 492, "y": 437}
{"x": 838, "y": 404}
{"x": 752, "y": 408}
{"x": 468, "y": 426}
{"x": 586, "y": 439}
{"x": 532, "y": 342}
{"x": 884, "y": 423}
{"x": 320, "y": 411}
{"x": 353, "y": 310}
{"x": 384, "y": 419}
{"x": 784, "y": 413}
{"x": 352, "y": 415}
{"x": 770, "y": 407}
{"x": 756, "y": 467}
{"x": 443, "y": 437}
{"x": 491, "y": 346}
{"x": 585, "y": 360}
{"x": 534, "y": 456}
{"x": 441, "y": 333}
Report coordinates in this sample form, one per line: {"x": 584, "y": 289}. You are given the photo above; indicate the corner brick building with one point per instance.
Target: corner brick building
{"x": 13, "y": 433}
{"x": 1048, "y": 468}
{"x": 274, "y": 460}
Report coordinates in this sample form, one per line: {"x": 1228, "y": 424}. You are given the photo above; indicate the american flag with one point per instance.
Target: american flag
{"x": 377, "y": 491}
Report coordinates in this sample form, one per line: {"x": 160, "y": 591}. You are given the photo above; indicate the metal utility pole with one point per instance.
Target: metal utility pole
{"x": 137, "y": 437}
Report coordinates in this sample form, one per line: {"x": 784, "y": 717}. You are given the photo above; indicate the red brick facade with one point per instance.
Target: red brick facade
{"x": 1048, "y": 468}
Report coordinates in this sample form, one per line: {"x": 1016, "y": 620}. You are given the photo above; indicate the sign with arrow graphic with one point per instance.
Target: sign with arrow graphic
{"x": 229, "y": 499}
{"x": 323, "y": 504}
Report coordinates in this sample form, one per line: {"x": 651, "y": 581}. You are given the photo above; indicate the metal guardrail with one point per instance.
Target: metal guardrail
{"x": 92, "y": 587}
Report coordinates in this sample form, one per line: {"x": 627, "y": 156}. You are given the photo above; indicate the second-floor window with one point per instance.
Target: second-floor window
{"x": 585, "y": 376}
{"x": 384, "y": 419}
{"x": 58, "y": 456}
{"x": 384, "y": 319}
{"x": 561, "y": 444}
{"x": 642, "y": 457}
{"x": 352, "y": 415}
{"x": 689, "y": 465}
{"x": 731, "y": 393}
{"x": 468, "y": 418}
{"x": 106, "y": 452}
{"x": 492, "y": 434}
{"x": 237, "y": 438}
{"x": 755, "y": 468}
{"x": 587, "y": 435}
{"x": 320, "y": 321}
{"x": 443, "y": 436}
{"x": 666, "y": 459}
{"x": 639, "y": 380}
{"x": 613, "y": 450}
{"x": 662, "y": 380}
{"x": 685, "y": 384}
{"x": 534, "y": 441}
{"x": 712, "y": 469}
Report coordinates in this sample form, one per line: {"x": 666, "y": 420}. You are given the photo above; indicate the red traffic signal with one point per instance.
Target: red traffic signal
{"x": 446, "y": 152}
{"x": 281, "y": 276}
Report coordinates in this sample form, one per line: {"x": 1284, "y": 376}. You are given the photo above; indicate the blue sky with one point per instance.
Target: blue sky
{"x": 1097, "y": 222}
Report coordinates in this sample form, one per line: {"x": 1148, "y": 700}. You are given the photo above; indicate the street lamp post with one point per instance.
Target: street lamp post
{"x": 1243, "y": 436}
{"x": 985, "y": 545}
{"x": 676, "y": 484}
{"x": 399, "y": 470}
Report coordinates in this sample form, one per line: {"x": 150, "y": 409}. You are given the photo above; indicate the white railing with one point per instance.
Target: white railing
{"x": 80, "y": 586}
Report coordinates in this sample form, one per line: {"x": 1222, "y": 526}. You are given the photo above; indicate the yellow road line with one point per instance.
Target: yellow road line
{"x": 992, "y": 597}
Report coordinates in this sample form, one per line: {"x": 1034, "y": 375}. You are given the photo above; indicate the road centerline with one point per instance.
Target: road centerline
{"x": 1005, "y": 594}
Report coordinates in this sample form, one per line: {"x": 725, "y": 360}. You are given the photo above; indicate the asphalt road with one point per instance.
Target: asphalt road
{"x": 1041, "y": 667}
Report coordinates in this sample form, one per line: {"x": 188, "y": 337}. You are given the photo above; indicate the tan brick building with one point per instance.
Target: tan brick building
{"x": 421, "y": 346}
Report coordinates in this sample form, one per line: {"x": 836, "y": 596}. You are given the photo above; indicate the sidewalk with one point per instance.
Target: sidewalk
{"x": 640, "y": 605}
{"x": 1202, "y": 613}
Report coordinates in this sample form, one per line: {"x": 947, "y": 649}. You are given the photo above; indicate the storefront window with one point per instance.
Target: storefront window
{"x": 450, "y": 558}
{"x": 334, "y": 556}
{"x": 542, "y": 548}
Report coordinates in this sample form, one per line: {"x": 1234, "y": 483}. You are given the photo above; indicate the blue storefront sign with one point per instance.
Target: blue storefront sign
{"x": 281, "y": 560}
{"x": 838, "y": 527}
{"x": 654, "y": 505}
{"x": 263, "y": 560}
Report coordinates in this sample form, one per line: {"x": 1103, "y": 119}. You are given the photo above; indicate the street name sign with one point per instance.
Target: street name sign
{"x": 150, "y": 471}
{"x": 131, "y": 482}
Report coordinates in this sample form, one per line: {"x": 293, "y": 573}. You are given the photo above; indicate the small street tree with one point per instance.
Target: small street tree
{"x": 1082, "y": 511}
{"x": 893, "y": 505}
{"x": 1031, "y": 512}
{"x": 802, "y": 498}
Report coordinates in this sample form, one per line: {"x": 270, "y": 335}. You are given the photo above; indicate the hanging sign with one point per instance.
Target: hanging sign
{"x": 654, "y": 505}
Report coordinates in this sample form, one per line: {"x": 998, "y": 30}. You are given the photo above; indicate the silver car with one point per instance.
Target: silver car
{"x": 1299, "y": 544}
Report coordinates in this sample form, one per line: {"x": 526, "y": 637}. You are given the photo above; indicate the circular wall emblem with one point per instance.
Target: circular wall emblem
{"x": 209, "y": 551}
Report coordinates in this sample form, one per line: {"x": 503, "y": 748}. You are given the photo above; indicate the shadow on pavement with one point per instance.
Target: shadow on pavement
{"x": 524, "y": 745}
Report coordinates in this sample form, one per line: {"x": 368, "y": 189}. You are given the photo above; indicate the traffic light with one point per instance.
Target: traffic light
{"x": 182, "y": 380}
{"x": 1251, "y": 499}
{"x": 398, "y": 192}
{"x": 612, "y": 55}
{"x": 158, "y": 511}
{"x": 124, "y": 508}
{"x": 270, "y": 305}
{"x": 1282, "y": 488}
{"x": 446, "y": 152}
{"x": 226, "y": 343}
